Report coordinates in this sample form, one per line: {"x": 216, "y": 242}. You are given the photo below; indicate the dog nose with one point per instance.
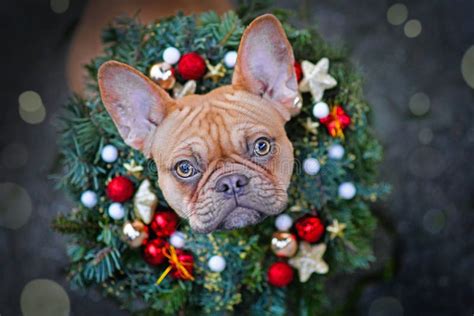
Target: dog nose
{"x": 232, "y": 184}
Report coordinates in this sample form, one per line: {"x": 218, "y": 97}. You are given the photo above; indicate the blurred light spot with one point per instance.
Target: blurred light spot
{"x": 425, "y": 136}
{"x": 419, "y": 104}
{"x": 30, "y": 101}
{"x": 59, "y": 6}
{"x": 397, "y": 14}
{"x": 386, "y": 306}
{"x": 31, "y": 107}
{"x": 434, "y": 221}
{"x": 467, "y": 67}
{"x": 15, "y": 205}
{"x": 33, "y": 117}
{"x": 42, "y": 297}
{"x": 412, "y": 28}
{"x": 14, "y": 156}
{"x": 426, "y": 162}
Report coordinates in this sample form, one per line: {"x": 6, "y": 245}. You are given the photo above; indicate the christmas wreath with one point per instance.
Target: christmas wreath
{"x": 126, "y": 240}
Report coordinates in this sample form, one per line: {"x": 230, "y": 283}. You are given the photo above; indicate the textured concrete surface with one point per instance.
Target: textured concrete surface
{"x": 425, "y": 238}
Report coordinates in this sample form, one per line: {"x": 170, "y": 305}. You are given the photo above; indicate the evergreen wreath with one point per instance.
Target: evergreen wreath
{"x": 124, "y": 238}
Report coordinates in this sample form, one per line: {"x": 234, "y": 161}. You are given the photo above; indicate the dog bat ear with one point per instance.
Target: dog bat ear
{"x": 265, "y": 63}
{"x": 135, "y": 103}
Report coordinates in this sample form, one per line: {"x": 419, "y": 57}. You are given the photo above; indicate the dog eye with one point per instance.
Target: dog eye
{"x": 185, "y": 169}
{"x": 262, "y": 147}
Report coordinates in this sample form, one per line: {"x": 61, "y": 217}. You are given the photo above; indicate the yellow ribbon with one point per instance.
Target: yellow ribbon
{"x": 170, "y": 253}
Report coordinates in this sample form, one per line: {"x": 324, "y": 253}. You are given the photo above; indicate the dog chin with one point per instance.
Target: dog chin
{"x": 241, "y": 217}
{"x": 238, "y": 217}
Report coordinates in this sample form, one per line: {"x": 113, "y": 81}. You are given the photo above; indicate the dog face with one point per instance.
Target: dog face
{"x": 224, "y": 160}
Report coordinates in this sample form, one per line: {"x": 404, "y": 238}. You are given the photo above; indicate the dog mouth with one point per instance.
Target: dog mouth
{"x": 240, "y": 217}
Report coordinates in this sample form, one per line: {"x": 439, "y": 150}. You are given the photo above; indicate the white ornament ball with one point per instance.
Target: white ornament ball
{"x": 171, "y": 55}
{"x": 230, "y": 58}
{"x": 311, "y": 166}
{"x": 178, "y": 239}
{"x": 89, "y": 198}
{"x": 336, "y": 151}
{"x": 116, "y": 211}
{"x": 109, "y": 153}
{"x": 283, "y": 222}
{"x": 320, "y": 110}
{"x": 347, "y": 190}
{"x": 216, "y": 264}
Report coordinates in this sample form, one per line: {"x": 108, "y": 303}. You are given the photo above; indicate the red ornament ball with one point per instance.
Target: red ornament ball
{"x": 187, "y": 261}
{"x": 120, "y": 189}
{"x": 280, "y": 274}
{"x": 191, "y": 66}
{"x": 153, "y": 252}
{"x": 164, "y": 223}
{"x": 298, "y": 71}
{"x": 309, "y": 228}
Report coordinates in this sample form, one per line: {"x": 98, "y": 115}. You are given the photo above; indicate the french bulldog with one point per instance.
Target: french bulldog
{"x": 224, "y": 160}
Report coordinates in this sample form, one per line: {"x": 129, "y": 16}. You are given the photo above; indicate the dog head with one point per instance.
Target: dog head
{"x": 224, "y": 160}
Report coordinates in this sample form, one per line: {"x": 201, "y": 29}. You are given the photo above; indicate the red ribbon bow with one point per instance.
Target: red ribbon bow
{"x": 336, "y": 121}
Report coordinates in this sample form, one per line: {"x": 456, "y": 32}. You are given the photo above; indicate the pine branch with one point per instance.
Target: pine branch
{"x": 65, "y": 225}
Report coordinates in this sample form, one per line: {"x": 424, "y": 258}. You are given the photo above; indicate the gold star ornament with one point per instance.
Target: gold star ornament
{"x": 336, "y": 229}
{"x": 316, "y": 78}
{"x": 309, "y": 260}
{"x": 215, "y": 73}
{"x": 311, "y": 126}
{"x": 133, "y": 168}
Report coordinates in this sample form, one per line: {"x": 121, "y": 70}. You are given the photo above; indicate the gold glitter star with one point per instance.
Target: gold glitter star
{"x": 336, "y": 229}
{"x": 216, "y": 72}
{"x": 309, "y": 260}
{"x": 133, "y": 168}
{"x": 316, "y": 78}
{"x": 311, "y": 126}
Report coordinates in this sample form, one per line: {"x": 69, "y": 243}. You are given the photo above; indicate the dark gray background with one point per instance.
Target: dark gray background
{"x": 425, "y": 243}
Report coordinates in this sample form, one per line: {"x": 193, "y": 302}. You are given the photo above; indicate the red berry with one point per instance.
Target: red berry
{"x": 153, "y": 252}
{"x": 298, "y": 71}
{"x": 120, "y": 189}
{"x": 309, "y": 228}
{"x": 280, "y": 274}
{"x": 191, "y": 66}
{"x": 164, "y": 223}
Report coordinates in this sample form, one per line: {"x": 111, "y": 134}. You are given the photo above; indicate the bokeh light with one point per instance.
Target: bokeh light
{"x": 15, "y": 205}
{"x": 434, "y": 221}
{"x": 425, "y": 136}
{"x": 14, "y": 156}
{"x": 397, "y": 14}
{"x": 31, "y": 107}
{"x": 419, "y": 104}
{"x": 59, "y": 6}
{"x": 386, "y": 306}
{"x": 412, "y": 28}
{"x": 467, "y": 67}
{"x": 42, "y": 297}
